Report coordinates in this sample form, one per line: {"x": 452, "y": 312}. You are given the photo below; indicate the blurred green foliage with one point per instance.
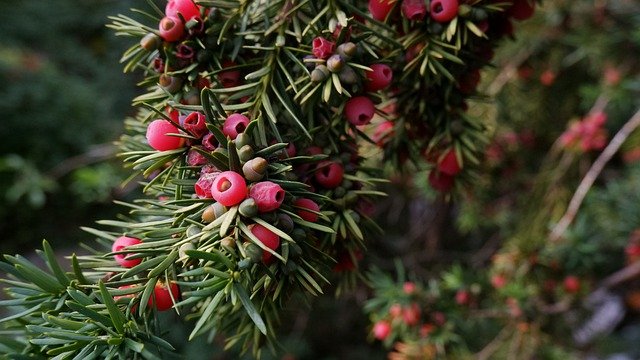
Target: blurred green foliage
{"x": 63, "y": 93}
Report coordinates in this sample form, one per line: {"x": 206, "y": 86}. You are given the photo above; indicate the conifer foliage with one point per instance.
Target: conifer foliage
{"x": 248, "y": 143}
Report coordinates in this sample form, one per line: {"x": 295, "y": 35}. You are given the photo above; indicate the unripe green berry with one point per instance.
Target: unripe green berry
{"x": 193, "y": 230}
{"x": 248, "y": 208}
{"x": 320, "y": 73}
{"x": 182, "y": 251}
{"x": 253, "y": 252}
{"x": 213, "y": 212}
{"x": 255, "y": 169}
{"x": 242, "y": 139}
{"x": 245, "y": 153}
{"x": 299, "y": 235}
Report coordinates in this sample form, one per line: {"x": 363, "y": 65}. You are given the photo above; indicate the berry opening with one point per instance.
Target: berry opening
{"x": 363, "y": 118}
{"x": 279, "y": 196}
{"x": 437, "y": 8}
{"x": 167, "y": 24}
{"x": 240, "y": 127}
{"x": 224, "y": 185}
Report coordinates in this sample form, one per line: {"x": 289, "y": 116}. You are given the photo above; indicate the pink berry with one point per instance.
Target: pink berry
{"x": 444, "y": 10}
{"x": 268, "y": 238}
{"x": 521, "y": 9}
{"x": 194, "y": 158}
{"x": 171, "y": 29}
{"x": 571, "y": 284}
{"x": 323, "y": 48}
{"x": 411, "y": 314}
{"x": 449, "y": 164}
{"x": 268, "y": 195}
{"x": 359, "y": 110}
{"x": 196, "y": 124}
{"x": 204, "y": 184}
{"x": 187, "y": 8}
{"x": 380, "y": 9}
{"x": 409, "y": 287}
{"x": 234, "y": 125}
{"x": 229, "y": 188}
{"x": 158, "y": 135}
{"x": 122, "y": 243}
{"x": 381, "y": 330}
{"x": 229, "y": 78}
{"x": 162, "y": 296}
{"x": 329, "y": 174}
{"x": 414, "y": 9}
{"x": 462, "y": 297}
{"x": 304, "y": 205}
{"x": 379, "y": 78}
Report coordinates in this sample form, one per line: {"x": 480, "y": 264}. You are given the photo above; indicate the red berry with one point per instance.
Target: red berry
{"x": 395, "y": 310}
{"x": 498, "y": 281}
{"x": 521, "y": 9}
{"x": 444, "y": 10}
{"x": 127, "y": 296}
{"x": 571, "y": 284}
{"x": 441, "y": 182}
{"x": 162, "y": 299}
{"x": 187, "y": 8}
{"x": 229, "y": 188}
{"x": 234, "y": 125}
{"x": 229, "y": 78}
{"x": 359, "y": 110}
{"x": 381, "y": 330}
{"x": 411, "y": 314}
{"x": 171, "y": 28}
{"x": 304, "y": 205}
{"x": 158, "y": 138}
{"x": 449, "y": 164}
{"x": 196, "y": 124}
{"x": 268, "y": 195}
{"x": 122, "y": 243}
{"x": 268, "y": 238}
{"x": 209, "y": 142}
{"x": 380, "y": 9}
{"x": 548, "y": 77}
{"x": 409, "y": 287}
{"x": 204, "y": 184}
{"x": 323, "y": 48}
{"x": 462, "y": 297}
{"x": 194, "y": 158}
{"x": 329, "y": 174}
{"x": 414, "y": 9}
{"x": 379, "y": 78}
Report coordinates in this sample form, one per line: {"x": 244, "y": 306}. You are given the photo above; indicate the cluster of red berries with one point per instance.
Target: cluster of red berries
{"x": 587, "y": 134}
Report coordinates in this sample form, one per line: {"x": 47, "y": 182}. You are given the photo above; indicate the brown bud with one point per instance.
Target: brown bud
{"x": 213, "y": 212}
{"x": 255, "y": 169}
{"x": 150, "y": 42}
{"x": 320, "y": 73}
{"x": 347, "y": 50}
{"x": 335, "y": 63}
{"x": 348, "y": 75}
{"x": 170, "y": 83}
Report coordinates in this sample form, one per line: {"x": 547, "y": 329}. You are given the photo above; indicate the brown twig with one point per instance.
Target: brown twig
{"x": 592, "y": 174}
{"x": 623, "y": 275}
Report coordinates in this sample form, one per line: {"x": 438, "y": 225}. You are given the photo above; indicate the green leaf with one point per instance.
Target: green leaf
{"x": 213, "y": 255}
{"x": 143, "y": 266}
{"x": 206, "y": 314}
{"x": 53, "y": 264}
{"x": 146, "y": 295}
{"x": 229, "y": 217}
{"x": 39, "y": 278}
{"x": 248, "y": 305}
{"x": 117, "y": 317}
{"x": 168, "y": 261}
{"x": 91, "y": 314}
{"x": 234, "y": 159}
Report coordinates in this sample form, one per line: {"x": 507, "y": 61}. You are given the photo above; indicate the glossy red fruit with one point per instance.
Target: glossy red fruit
{"x": 441, "y": 182}
{"x": 498, "y": 281}
{"x": 414, "y": 9}
{"x": 304, "y": 205}
{"x": 462, "y": 297}
{"x": 329, "y": 174}
{"x": 229, "y": 188}
{"x": 571, "y": 284}
{"x": 268, "y": 238}
{"x": 381, "y": 330}
{"x": 379, "y": 78}
{"x": 444, "y": 10}
{"x": 322, "y": 48}
{"x": 204, "y": 184}
{"x": 196, "y": 124}
{"x": 234, "y": 125}
{"x": 409, "y": 287}
{"x": 548, "y": 77}
{"x": 162, "y": 296}
{"x": 121, "y": 244}
{"x": 268, "y": 195}
{"x": 359, "y": 110}
{"x": 187, "y": 8}
{"x": 380, "y": 9}
{"x": 521, "y": 9}
{"x": 171, "y": 29}
{"x": 411, "y": 314}
{"x": 158, "y": 135}
{"x": 449, "y": 163}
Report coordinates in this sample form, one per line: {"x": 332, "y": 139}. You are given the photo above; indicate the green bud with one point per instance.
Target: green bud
{"x": 253, "y": 252}
{"x": 182, "y": 251}
{"x": 269, "y": 217}
{"x": 213, "y": 212}
{"x": 320, "y": 73}
{"x": 150, "y": 42}
{"x": 435, "y": 27}
{"x": 204, "y": 56}
{"x": 222, "y": 151}
{"x": 479, "y": 14}
{"x": 299, "y": 235}
{"x": 245, "y": 153}
{"x": 193, "y": 230}
{"x": 254, "y": 169}
{"x": 456, "y": 127}
{"x": 285, "y": 223}
{"x": 348, "y": 75}
{"x": 291, "y": 267}
{"x": 248, "y": 208}
{"x": 242, "y": 139}
{"x": 347, "y": 50}
{"x": 339, "y": 192}
{"x": 335, "y": 63}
